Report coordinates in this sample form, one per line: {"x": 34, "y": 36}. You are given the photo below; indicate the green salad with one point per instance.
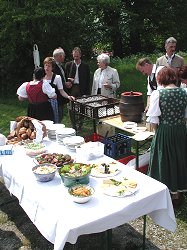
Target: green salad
{"x": 75, "y": 169}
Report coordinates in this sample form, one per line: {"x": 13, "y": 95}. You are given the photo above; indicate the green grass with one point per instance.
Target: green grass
{"x": 10, "y": 109}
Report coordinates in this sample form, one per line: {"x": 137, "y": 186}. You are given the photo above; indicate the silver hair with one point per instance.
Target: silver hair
{"x": 58, "y": 51}
{"x": 103, "y": 58}
{"x": 170, "y": 40}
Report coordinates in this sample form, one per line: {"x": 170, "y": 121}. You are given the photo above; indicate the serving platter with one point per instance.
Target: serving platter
{"x": 32, "y": 149}
{"x": 119, "y": 187}
{"x": 53, "y": 158}
{"x": 104, "y": 170}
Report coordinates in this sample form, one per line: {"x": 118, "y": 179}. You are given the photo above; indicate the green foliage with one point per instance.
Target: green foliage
{"x": 123, "y": 27}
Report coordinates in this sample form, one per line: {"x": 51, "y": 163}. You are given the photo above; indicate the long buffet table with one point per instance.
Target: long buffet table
{"x": 60, "y": 220}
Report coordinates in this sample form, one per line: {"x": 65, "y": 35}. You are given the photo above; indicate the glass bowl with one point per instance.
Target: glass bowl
{"x": 44, "y": 172}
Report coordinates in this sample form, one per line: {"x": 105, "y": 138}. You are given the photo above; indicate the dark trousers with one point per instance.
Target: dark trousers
{"x": 76, "y": 119}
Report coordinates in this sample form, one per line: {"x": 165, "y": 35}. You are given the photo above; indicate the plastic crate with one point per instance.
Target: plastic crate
{"x": 94, "y": 137}
{"x": 78, "y": 105}
{"x": 102, "y": 108}
{"x": 117, "y": 146}
{"x": 125, "y": 160}
{"x": 95, "y": 107}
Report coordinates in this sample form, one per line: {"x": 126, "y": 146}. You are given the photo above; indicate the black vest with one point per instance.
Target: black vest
{"x": 59, "y": 96}
{"x": 153, "y": 83}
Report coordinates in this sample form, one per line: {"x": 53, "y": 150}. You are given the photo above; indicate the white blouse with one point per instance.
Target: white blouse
{"x": 57, "y": 81}
{"x": 154, "y": 111}
{"x": 46, "y": 88}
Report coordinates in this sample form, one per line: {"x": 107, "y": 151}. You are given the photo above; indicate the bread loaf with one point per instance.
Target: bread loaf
{"x": 25, "y": 129}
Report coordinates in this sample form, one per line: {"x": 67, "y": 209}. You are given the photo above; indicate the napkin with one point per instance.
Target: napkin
{"x": 39, "y": 131}
{"x": 141, "y": 136}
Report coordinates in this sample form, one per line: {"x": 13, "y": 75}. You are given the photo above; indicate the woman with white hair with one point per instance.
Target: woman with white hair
{"x": 106, "y": 79}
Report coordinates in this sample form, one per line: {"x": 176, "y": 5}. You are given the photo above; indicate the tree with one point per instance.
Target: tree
{"x": 123, "y": 27}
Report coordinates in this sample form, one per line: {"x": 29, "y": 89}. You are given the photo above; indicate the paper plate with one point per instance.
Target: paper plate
{"x": 142, "y": 136}
{"x": 98, "y": 170}
{"x": 139, "y": 129}
{"x": 119, "y": 187}
{"x": 65, "y": 131}
{"x": 130, "y": 124}
{"x": 73, "y": 140}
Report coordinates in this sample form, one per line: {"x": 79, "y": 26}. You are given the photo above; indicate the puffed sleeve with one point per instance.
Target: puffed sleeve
{"x": 21, "y": 91}
{"x": 58, "y": 81}
{"x": 154, "y": 112}
{"x": 48, "y": 90}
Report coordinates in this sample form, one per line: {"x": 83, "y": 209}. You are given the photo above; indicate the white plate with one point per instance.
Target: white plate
{"x": 121, "y": 190}
{"x": 73, "y": 140}
{"x": 56, "y": 126}
{"x": 139, "y": 129}
{"x": 65, "y": 131}
{"x": 130, "y": 124}
{"x": 98, "y": 170}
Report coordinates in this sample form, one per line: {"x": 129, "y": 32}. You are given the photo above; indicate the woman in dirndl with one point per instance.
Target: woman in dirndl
{"x": 168, "y": 114}
{"x": 38, "y": 94}
{"x": 56, "y": 82}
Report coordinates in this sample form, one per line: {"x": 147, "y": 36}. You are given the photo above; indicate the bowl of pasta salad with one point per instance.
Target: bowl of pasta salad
{"x": 81, "y": 193}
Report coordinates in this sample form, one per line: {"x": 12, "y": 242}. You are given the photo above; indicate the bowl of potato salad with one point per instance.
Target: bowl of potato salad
{"x": 44, "y": 172}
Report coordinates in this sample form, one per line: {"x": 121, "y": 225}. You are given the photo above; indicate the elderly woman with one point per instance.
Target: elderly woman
{"x": 106, "y": 79}
{"x": 168, "y": 112}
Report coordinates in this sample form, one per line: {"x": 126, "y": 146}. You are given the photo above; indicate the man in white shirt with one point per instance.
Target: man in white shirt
{"x": 78, "y": 73}
{"x": 146, "y": 67}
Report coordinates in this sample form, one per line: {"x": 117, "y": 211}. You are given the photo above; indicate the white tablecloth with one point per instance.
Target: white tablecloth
{"x": 60, "y": 220}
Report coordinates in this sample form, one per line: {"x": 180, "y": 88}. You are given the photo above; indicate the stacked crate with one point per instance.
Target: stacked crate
{"x": 117, "y": 146}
